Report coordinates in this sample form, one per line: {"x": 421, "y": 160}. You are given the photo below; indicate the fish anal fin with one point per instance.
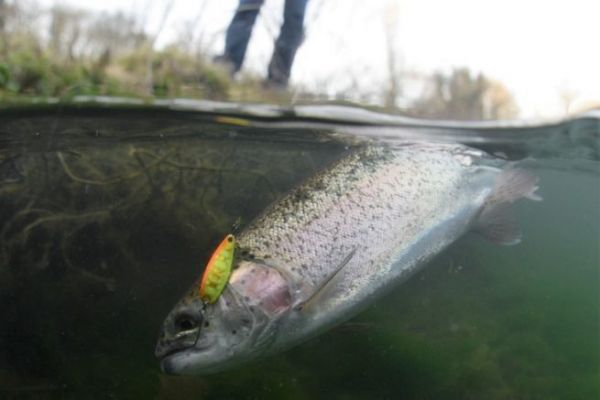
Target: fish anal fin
{"x": 498, "y": 224}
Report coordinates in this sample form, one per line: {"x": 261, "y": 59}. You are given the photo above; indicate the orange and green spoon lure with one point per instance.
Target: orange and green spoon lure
{"x": 217, "y": 272}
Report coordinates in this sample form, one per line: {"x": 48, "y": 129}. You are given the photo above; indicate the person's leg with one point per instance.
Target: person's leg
{"x": 290, "y": 38}
{"x": 239, "y": 31}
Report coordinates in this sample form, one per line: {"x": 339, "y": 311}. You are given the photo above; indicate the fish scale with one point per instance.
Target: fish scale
{"x": 340, "y": 240}
{"x": 376, "y": 202}
{"x": 365, "y": 189}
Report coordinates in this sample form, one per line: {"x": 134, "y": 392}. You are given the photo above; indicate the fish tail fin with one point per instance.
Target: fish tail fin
{"x": 497, "y": 221}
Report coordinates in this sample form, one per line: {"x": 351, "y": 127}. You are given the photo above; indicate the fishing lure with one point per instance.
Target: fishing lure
{"x": 218, "y": 269}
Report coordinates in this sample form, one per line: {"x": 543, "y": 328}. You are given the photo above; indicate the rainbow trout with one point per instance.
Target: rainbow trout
{"x": 336, "y": 243}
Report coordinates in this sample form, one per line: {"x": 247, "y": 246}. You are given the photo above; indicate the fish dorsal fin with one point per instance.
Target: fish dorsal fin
{"x": 324, "y": 285}
{"x": 497, "y": 221}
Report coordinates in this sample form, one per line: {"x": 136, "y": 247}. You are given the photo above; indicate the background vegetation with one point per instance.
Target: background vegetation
{"x": 62, "y": 52}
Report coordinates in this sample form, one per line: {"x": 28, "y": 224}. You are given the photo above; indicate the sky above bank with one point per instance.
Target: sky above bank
{"x": 541, "y": 50}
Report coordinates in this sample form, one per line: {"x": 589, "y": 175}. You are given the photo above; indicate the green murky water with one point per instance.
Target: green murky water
{"x": 108, "y": 215}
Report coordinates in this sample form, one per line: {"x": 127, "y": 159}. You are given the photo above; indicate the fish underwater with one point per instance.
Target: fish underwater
{"x": 336, "y": 243}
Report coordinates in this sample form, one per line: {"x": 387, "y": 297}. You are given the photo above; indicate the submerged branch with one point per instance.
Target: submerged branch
{"x": 129, "y": 176}
{"x": 63, "y": 217}
{"x": 78, "y": 199}
{"x": 108, "y": 283}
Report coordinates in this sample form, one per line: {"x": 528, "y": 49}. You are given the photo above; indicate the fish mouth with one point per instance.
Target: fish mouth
{"x": 177, "y": 355}
{"x": 177, "y": 361}
{"x": 172, "y": 351}
{"x": 168, "y": 352}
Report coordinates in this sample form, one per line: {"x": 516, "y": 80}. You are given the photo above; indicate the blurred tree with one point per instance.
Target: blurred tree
{"x": 65, "y": 31}
{"x": 499, "y": 103}
{"x": 75, "y": 34}
{"x": 464, "y": 96}
{"x": 567, "y": 96}
{"x": 393, "y": 90}
{"x": 18, "y": 22}
{"x": 3, "y": 35}
{"x": 2, "y": 16}
{"x": 112, "y": 35}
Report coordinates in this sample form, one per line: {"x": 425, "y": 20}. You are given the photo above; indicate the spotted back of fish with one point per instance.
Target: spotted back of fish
{"x": 373, "y": 202}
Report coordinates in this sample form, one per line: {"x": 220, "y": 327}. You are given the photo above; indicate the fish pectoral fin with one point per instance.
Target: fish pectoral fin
{"x": 318, "y": 290}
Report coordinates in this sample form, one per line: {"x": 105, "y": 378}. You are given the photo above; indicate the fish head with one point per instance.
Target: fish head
{"x": 198, "y": 337}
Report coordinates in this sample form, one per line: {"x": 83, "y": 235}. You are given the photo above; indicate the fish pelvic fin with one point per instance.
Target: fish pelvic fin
{"x": 497, "y": 221}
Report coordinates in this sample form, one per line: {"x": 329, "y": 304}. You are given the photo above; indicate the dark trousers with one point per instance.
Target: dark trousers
{"x": 290, "y": 37}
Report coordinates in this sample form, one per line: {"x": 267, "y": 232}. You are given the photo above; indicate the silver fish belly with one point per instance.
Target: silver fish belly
{"x": 334, "y": 244}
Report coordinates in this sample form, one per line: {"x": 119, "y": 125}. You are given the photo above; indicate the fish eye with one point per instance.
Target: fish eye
{"x": 185, "y": 323}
